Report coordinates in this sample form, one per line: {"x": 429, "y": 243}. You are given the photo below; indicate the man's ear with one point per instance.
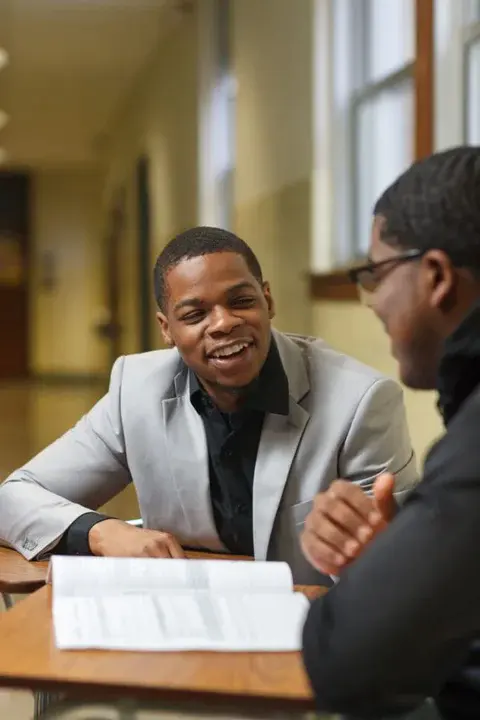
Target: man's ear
{"x": 441, "y": 278}
{"x": 165, "y": 329}
{"x": 268, "y": 297}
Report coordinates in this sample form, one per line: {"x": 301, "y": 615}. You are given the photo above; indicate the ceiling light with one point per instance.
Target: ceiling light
{"x": 4, "y": 118}
{"x": 4, "y": 58}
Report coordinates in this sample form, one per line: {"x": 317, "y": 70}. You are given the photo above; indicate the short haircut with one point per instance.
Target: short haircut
{"x": 435, "y": 204}
{"x": 196, "y": 242}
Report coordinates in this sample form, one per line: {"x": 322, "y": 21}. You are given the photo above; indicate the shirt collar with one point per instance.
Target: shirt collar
{"x": 269, "y": 392}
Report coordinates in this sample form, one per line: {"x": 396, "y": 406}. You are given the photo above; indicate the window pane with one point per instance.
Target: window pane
{"x": 383, "y": 149}
{"x": 390, "y": 37}
{"x": 473, "y": 94}
{"x": 471, "y": 11}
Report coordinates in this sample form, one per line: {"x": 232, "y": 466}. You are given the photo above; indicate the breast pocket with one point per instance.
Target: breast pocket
{"x": 300, "y": 511}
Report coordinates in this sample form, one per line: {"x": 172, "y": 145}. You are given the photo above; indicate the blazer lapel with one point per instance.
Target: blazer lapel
{"x": 188, "y": 460}
{"x": 278, "y": 444}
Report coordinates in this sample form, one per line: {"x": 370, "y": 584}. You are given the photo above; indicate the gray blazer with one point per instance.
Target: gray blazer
{"x": 346, "y": 420}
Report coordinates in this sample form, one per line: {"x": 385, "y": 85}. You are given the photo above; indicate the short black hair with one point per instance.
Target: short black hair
{"x": 435, "y": 204}
{"x": 193, "y": 243}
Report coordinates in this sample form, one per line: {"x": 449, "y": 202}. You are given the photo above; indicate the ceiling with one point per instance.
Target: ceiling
{"x": 71, "y": 64}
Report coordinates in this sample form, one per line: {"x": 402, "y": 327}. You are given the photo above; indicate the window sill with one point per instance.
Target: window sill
{"x": 334, "y": 285}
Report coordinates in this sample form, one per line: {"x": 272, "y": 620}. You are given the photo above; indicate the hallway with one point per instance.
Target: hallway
{"x": 33, "y": 415}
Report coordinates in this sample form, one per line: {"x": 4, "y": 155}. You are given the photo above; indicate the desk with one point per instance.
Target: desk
{"x": 29, "y": 659}
{"x": 20, "y": 576}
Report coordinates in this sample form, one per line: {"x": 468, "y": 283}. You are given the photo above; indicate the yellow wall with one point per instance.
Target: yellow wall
{"x": 66, "y": 223}
{"x": 158, "y": 120}
{"x": 353, "y": 329}
{"x": 272, "y": 47}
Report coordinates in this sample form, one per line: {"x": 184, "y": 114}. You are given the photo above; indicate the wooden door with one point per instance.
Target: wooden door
{"x": 14, "y": 237}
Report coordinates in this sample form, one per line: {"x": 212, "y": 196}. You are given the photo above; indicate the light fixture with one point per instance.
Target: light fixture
{"x": 4, "y": 58}
{"x": 4, "y": 118}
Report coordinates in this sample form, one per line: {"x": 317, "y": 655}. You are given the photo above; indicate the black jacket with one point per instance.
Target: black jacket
{"x": 402, "y": 622}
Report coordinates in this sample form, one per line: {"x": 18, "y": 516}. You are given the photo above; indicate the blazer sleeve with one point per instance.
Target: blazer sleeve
{"x": 378, "y": 440}
{"x": 399, "y": 622}
{"x": 77, "y": 473}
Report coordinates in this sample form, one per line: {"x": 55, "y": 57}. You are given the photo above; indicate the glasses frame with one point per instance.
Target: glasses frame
{"x": 355, "y": 273}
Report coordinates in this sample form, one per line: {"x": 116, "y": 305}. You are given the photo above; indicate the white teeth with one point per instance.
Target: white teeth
{"x": 230, "y": 350}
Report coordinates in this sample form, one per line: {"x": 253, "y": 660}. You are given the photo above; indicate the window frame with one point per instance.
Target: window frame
{"x": 335, "y": 285}
{"x": 471, "y": 37}
{"x": 215, "y": 75}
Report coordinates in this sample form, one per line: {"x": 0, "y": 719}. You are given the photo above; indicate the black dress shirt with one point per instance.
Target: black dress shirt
{"x": 232, "y": 442}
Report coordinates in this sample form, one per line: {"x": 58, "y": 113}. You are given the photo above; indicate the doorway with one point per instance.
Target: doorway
{"x": 14, "y": 276}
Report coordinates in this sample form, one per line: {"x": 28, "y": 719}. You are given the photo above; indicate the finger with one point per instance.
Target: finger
{"x": 345, "y": 517}
{"x": 342, "y": 541}
{"x": 383, "y": 493}
{"x": 158, "y": 548}
{"x": 357, "y": 499}
{"x": 176, "y": 550}
{"x": 321, "y": 555}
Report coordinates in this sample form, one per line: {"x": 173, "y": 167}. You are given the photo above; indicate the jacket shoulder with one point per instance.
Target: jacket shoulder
{"x": 152, "y": 372}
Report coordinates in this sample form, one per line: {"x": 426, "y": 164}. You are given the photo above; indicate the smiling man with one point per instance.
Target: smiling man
{"x": 227, "y": 436}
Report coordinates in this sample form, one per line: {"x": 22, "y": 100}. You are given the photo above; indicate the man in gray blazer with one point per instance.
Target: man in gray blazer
{"x": 228, "y": 436}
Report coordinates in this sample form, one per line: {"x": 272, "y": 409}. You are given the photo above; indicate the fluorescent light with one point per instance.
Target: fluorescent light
{"x": 4, "y": 58}
{"x": 4, "y": 118}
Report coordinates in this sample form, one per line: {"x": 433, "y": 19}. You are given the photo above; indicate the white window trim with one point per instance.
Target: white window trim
{"x": 449, "y": 86}
{"x": 209, "y": 201}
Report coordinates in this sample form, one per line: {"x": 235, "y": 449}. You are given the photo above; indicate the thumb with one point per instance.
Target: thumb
{"x": 383, "y": 495}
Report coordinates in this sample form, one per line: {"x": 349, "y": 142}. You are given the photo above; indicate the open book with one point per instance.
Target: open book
{"x": 154, "y": 604}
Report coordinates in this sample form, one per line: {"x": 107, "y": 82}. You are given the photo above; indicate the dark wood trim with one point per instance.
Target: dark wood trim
{"x": 335, "y": 285}
{"x": 424, "y": 78}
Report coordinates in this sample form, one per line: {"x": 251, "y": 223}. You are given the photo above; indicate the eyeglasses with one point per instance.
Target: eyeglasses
{"x": 368, "y": 277}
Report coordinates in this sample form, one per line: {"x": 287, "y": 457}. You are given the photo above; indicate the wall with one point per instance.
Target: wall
{"x": 159, "y": 120}
{"x": 66, "y": 225}
{"x": 272, "y": 47}
{"x": 353, "y": 329}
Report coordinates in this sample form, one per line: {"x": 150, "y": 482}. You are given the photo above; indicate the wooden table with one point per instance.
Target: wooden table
{"x": 29, "y": 659}
{"x": 18, "y": 575}
{"x": 21, "y": 576}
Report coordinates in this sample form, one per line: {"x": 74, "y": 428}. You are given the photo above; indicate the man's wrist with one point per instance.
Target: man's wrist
{"x": 98, "y": 533}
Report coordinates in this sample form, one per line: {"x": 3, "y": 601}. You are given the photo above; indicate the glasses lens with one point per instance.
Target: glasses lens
{"x": 367, "y": 280}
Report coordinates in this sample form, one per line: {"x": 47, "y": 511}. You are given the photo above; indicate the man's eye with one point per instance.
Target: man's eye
{"x": 244, "y": 302}
{"x": 193, "y": 317}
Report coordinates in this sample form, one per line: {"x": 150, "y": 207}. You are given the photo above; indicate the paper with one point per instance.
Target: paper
{"x": 164, "y": 605}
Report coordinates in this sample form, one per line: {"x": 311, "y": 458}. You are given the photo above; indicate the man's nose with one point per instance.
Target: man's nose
{"x": 222, "y": 320}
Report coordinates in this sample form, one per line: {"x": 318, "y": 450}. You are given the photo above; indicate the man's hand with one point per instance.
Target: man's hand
{"x": 344, "y": 519}
{"x": 115, "y": 538}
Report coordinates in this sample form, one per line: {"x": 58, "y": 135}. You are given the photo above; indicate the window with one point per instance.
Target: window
{"x": 373, "y": 67}
{"x": 471, "y": 61}
{"x": 217, "y": 115}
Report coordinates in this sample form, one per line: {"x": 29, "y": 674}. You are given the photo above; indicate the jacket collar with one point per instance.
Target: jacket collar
{"x": 459, "y": 368}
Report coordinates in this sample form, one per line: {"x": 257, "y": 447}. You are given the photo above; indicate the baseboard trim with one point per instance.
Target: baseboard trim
{"x": 76, "y": 379}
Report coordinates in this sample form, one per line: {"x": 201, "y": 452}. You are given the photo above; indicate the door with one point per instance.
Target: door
{"x": 14, "y": 237}
{"x": 144, "y": 254}
{"x": 109, "y": 327}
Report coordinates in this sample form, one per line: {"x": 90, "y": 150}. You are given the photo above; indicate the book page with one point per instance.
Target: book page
{"x": 91, "y": 576}
{"x": 166, "y": 622}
